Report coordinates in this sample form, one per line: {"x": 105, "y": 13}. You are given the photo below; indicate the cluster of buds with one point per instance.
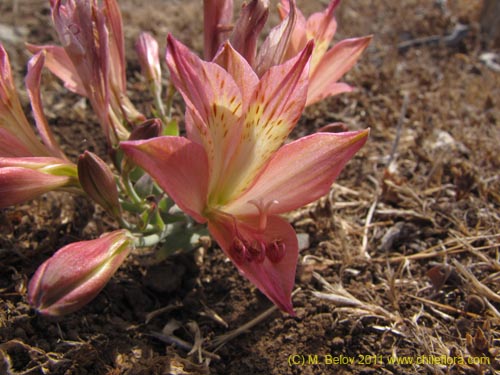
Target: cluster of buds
{"x": 233, "y": 171}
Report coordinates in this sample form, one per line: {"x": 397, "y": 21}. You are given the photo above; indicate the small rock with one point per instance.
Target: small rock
{"x": 12, "y": 34}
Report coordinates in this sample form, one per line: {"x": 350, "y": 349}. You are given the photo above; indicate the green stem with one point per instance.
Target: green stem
{"x": 130, "y": 190}
{"x": 150, "y": 240}
{"x": 159, "y": 105}
{"x": 170, "y": 101}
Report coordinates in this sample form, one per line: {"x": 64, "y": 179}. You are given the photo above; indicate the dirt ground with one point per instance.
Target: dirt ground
{"x": 400, "y": 267}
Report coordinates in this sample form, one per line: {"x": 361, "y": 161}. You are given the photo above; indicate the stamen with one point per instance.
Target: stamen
{"x": 263, "y": 211}
{"x": 275, "y": 251}
{"x": 238, "y": 250}
{"x": 257, "y": 252}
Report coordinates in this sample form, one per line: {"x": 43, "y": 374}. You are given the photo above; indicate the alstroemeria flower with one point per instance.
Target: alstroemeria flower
{"x": 327, "y": 65}
{"x": 233, "y": 170}
{"x": 290, "y": 37}
{"x": 76, "y": 273}
{"x": 91, "y": 61}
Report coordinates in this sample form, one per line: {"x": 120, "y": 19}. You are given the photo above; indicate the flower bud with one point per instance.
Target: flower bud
{"x": 98, "y": 182}
{"x": 148, "y": 129}
{"x": 147, "y": 51}
{"x": 76, "y": 273}
{"x": 25, "y": 178}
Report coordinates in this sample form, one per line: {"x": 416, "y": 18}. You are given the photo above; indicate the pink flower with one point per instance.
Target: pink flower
{"x": 327, "y": 65}
{"x": 233, "y": 171}
{"x": 91, "y": 61}
{"x": 76, "y": 273}
{"x": 290, "y": 37}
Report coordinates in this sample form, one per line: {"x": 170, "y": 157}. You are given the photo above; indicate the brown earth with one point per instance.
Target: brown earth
{"x": 402, "y": 259}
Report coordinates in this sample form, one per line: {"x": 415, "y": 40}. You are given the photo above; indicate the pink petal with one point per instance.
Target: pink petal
{"x": 32, "y": 162}
{"x": 33, "y": 78}
{"x": 203, "y": 84}
{"x": 178, "y": 165}
{"x": 217, "y": 16}
{"x": 148, "y": 53}
{"x": 214, "y": 104}
{"x": 276, "y": 106}
{"x": 114, "y": 25}
{"x": 59, "y": 63}
{"x": 274, "y": 48}
{"x": 322, "y": 25}
{"x": 275, "y": 280}
{"x": 242, "y": 73}
{"x": 18, "y": 184}
{"x": 334, "y": 64}
{"x": 298, "y": 39}
{"x": 246, "y": 32}
{"x": 11, "y": 146}
{"x": 12, "y": 118}
{"x": 300, "y": 172}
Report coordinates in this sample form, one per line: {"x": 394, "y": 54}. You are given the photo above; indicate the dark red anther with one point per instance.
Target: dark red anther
{"x": 275, "y": 251}
{"x": 238, "y": 250}
{"x": 256, "y": 252}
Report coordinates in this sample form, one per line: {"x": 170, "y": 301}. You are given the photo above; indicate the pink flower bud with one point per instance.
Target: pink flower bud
{"x": 149, "y": 59}
{"x": 75, "y": 274}
{"x": 98, "y": 182}
{"x": 25, "y": 178}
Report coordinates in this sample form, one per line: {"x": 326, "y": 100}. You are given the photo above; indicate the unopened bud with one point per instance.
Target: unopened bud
{"x": 148, "y": 129}
{"x": 25, "y": 178}
{"x": 147, "y": 51}
{"x": 97, "y": 180}
{"x": 75, "y": 274}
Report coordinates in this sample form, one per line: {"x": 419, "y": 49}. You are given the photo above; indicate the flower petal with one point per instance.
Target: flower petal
{"x": 321, "y": 27}
{"x": 275, "y": 108}
{"x": 300, "y": 172}
{"x": 148, "y": 53}
{"x": 242, "y": 73}
{"x": 274, "y": 279}
{"x": 33, "y": 162}
{"x": 334, "y": 64}
{"x": 59, "y": 63}
{"x": 12, "y": 117}
{"x": 217, "y": 16}
{"x": 114, "y": 24}
{"x": 274, "y": 48}
{"x": 18, "y": 184}
{"x": 252, "y": 19}
{"x": 214, "y": 101}
{"x": 11, "y": 146}
{"x": 33, "y": 78}
{"x": 178, "y": 165}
